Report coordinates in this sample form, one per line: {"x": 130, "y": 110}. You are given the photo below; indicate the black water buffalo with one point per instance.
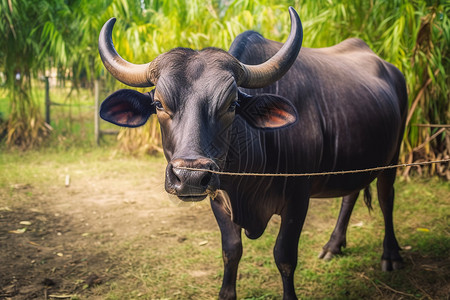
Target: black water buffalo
{"x": 262, "y": 107}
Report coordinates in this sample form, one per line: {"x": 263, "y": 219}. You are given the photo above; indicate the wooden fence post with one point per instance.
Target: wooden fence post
{"x": 47, "y": 100}
{"x": 96, "y": 112}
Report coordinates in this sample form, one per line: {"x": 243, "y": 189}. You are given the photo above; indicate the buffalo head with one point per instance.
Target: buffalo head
{"x": 196, "y": 99}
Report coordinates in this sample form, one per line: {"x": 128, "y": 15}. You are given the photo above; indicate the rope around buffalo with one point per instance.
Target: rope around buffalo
{"x": 316, "y": 174}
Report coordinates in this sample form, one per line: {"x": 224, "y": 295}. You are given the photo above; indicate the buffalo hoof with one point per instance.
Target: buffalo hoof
{"x": 227, "y": 292}
{"x": 331, "y": 249}
{"x": 326, "y": 255}
{"x": 391, "y": 265}
{"x": 223, "y": 296}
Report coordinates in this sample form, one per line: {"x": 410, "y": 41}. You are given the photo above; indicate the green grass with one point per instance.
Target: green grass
{"x": 156, "y": 264}
{"x": 340, "y": 278}
{"x": 355, "y": 275}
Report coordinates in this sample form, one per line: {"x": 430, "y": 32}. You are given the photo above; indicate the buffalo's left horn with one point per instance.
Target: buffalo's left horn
{"x": 258, "y": 76}
{"x": 126, "y": 72}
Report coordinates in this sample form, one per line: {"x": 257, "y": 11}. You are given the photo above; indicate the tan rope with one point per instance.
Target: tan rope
{"x": 433, "y": 125}
{"x": 315, "y": 174}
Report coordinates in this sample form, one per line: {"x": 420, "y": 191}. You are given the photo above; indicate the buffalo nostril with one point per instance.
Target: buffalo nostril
{"x": 176, "y": 174}
{"x": 206, "y": 179}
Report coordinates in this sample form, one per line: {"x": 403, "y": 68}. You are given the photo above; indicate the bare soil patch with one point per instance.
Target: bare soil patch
{"x": 53, "y": 243}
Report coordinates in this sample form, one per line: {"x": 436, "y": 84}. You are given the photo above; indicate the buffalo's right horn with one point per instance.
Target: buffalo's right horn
{"x": 126, "y": 72}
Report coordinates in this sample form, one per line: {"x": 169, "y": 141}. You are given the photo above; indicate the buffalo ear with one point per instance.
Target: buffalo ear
{"x": 267, "y": 111}
{"x": 128, "y": 108}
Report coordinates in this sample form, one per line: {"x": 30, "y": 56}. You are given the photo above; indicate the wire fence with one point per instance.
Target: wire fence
{"x": 98, "y": 132}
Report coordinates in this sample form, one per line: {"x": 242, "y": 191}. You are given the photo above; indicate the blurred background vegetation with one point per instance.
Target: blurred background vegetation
{"x": 58, "y": 39}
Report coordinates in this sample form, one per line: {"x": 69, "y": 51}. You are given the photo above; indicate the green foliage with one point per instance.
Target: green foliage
{"x": 37, "y": 37}
{"x": 414, "y": 35}
{"x": 20, "y": 26}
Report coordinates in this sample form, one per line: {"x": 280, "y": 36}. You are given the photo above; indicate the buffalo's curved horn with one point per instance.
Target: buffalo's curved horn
{"x": 126, "y": 72}
{"x": 258, "y": 76}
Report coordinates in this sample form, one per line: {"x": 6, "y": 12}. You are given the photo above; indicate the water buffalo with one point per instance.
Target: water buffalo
{"x": 264, "y": 107}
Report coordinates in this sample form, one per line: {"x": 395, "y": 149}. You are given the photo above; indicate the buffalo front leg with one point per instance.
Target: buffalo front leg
{"x": 286, "y": 246}
{"x": 231, "y": 247}
{"x": 338, "y": 238}
{"x": 391, "y": 259}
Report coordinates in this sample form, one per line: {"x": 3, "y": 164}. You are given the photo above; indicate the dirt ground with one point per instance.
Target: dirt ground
{"x": 58, "y": 241}
{"x": 46, "y": 245}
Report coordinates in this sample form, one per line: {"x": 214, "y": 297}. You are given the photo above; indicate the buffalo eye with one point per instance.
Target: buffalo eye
{"x": 233, "y": 106}
{"x": 158, "y": 105}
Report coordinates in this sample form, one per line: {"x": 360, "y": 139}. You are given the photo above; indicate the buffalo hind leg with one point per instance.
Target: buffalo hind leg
{"x": 391, "y": 259}
{"x": 231, "y": 248}
{"x": 286, "y": 246}
{"x": 338, "y": 237}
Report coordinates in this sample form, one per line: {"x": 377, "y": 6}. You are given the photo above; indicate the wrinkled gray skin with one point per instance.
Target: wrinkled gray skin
{"x": 337, "y": 108}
